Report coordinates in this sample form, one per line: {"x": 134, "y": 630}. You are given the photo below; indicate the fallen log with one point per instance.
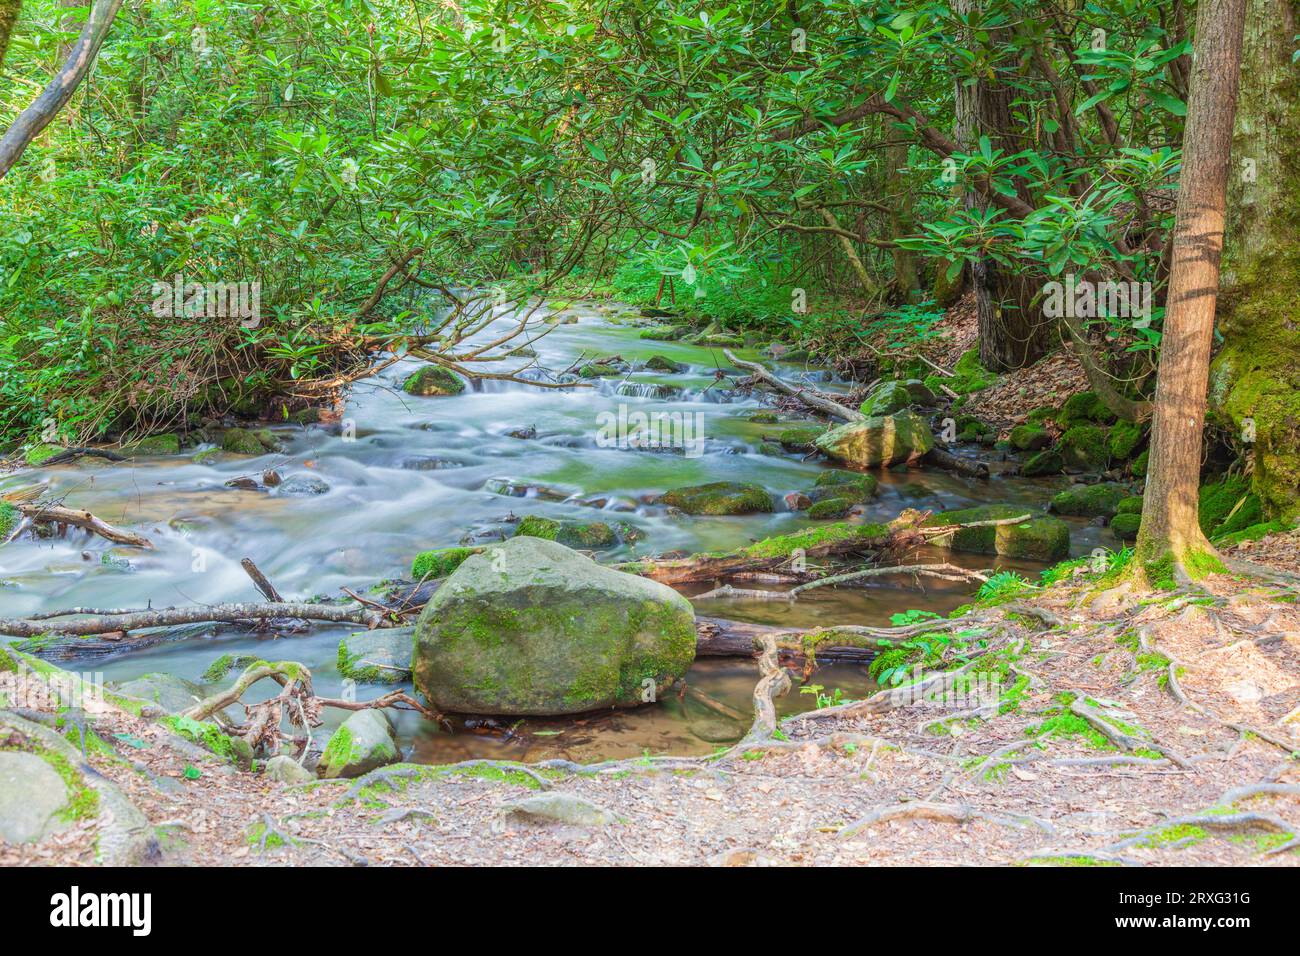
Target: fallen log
{"x": 57, "y": 514}
{"x": 812, "y": 399}
{"x": 208, "y": 613}
{"x": 941, "y": 458}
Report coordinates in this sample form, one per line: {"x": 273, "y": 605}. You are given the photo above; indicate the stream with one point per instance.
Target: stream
{"x": 419, "y": 473}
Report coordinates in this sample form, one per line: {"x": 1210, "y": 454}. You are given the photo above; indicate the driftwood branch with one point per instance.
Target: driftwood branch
{"x": 809, "y": 398}
{"x": 56, "y": 95}
{"x": 82, "y": 519}
{"x": 201, "y": 614}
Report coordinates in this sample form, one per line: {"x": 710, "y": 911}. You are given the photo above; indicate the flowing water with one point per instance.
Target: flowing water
{"x": 418, "y": 473}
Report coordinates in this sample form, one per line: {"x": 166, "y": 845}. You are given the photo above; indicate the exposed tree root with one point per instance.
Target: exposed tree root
{"x": 942, "y": 813}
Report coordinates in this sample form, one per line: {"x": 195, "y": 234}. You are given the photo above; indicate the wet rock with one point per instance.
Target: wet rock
{"x": 155, "y": 445}
{"x": 718, "y": 498}
{"x": 1040, "y": 538}
{"x": 585, "y": 536}
{"x": 524, "y": 434}
{"x": 659, "y": 363}
{"x": 301, "y": 486}
{"x": 381, "y": 656}
{"x": 800, "y": 437}
{"x": 1046, "y": 462}
{"x": 532, "y": 627}
{"x": 284, "y": 769}
{"x": 1030, "y": 437}
{"x": 715, "y": 731}
{"x": 242, "y": 441}
{"x": 830, "y": 508}
{"x": 1090, "y": 501}
{"x": 428, "y": 463}
{"x": 1125, "y": 526}
{"x": 888, "y": 398}
{"x": 921, "y": 393}
{"x": 173, "y": 694}
{"x": 271, "y": 478}
{"x": 797, "y": 501}
{"x": 438, "y": 563}
{"x": 430, "y": 380}
{"x": 244, "y": 483}
{"x": 851, "y": 485}
{"x": 364, "y": 742}
{"x": 883, "y": 440}
{"x": 513, "y": 489}
{"x": 764, "y": 418}
{"x": 563, "y": 808}
{"x": 33, "y": 798}
{"x": 1084, "y": 447}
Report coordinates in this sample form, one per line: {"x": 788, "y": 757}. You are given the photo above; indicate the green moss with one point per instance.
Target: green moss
{"x": 1068, "y": 724}
{"x": 535, "y": 526}
{"x": 1125, "y": 526}
{"x": 1178, "y": 833}
{"x": 439, "y": 563}
{"x": 810, "y": 539}
{"x": 850, "y": 485}
{"x": 719, "y": 498}
{"x": 1085, "y": 446}
{"x": 83, "y": 801}
{"x": 1139, "y": 466}
{"x": 1070, "y": 861}
{"x": 764, "y": 418}
{"x": 968, "y": 375}
{"x": 1123, "y": 440}
{"x": 9, "y": 518}
{"x": 41, "y": 453}
{"x": 1030, "y": 437}
{"x": 167, "y": 444}
{"x": 800, "y": 437}
{"x": 1084, "y": 407}
{"x": 1228, "y": 506}
{"x": 433, "y": 380}
{"x": 226, "y": 663}
{"x": 885, "y": 400}
{"x": 241, "y": 441}
{"x": 1090, "y": 501}
{"x": 1048, "y": 462}
{"x": 1254, "y": 533}
{"x": 1041, "y": 538}
{"x": 829, "y": 508}
{"x": 339, "y": 750}
{"x": 204, "y": 733}
{"x": 1131, "y": 505}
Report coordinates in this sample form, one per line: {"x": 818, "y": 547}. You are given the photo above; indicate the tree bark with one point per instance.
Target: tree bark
{"x": 1255, "y": 379}
{"x": 9, "y": 10}
{"x": 56, "y": 95}
{"x": 1170, "y": 529}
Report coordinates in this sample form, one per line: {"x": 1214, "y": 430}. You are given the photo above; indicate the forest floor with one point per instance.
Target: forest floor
{"x": 1024, "y": 782}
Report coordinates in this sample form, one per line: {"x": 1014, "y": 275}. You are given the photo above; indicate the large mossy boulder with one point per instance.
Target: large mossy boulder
{"x": 1084, "y": 408}
{"x": 1039, "y": 538}
{"x": 880, "y": 440}
{"x": 1125, "y": 526}
{"x": 364, "y": 742}
{"x": 532, "y": 627}
{"x": 433, "y": 380}
{"x": 718, "y": 498}
{"x": 1090, "y": 501}
{"x": 1030, "y": 437}
{"x": 1227, "y": 506}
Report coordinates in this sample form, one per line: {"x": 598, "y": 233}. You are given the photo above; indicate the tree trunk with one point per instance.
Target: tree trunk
{"x": 907, "y": 281}
{"x": 1255, "y": 380}
{"x": 1012, "y": 330}
{"x": 9, "y": 10}
{"x": 1170, "y": 530}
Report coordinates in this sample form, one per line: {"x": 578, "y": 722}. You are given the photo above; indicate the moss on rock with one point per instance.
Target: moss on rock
{"x": 433, "y": 380}
{"x": 719, "y": 498}
{"x": 878, "y": 441}
{"x": 1030, "y": 437}
{"x": 1090, "y": 501}
{"x": 1084, "y": 446}
{"x": 1046, "y": 462}
{"x": 1040, "y": 538}
{"x": 41, "y": 453}
{"x": 1083, "y": 408}
{"x": 1125, "y": 526}
{"x": 438, "y": 563}
{"x": 830, "y": 508}
{"x": 1123, "y": 440}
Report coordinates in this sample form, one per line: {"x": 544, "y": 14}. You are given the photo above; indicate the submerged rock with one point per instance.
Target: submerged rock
{"x": 1046, "y": 462}
{"x": 881, "y": 440}
{"x": 718, "y": 498}
{"x": 532, "y": 627}
{"x": 433, "y": 380}
{"x": 364, "y": 742}
{"x": 381, "y": 656}
{"x": 301, "y": 486}
{"x": 1040, "y": 538}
